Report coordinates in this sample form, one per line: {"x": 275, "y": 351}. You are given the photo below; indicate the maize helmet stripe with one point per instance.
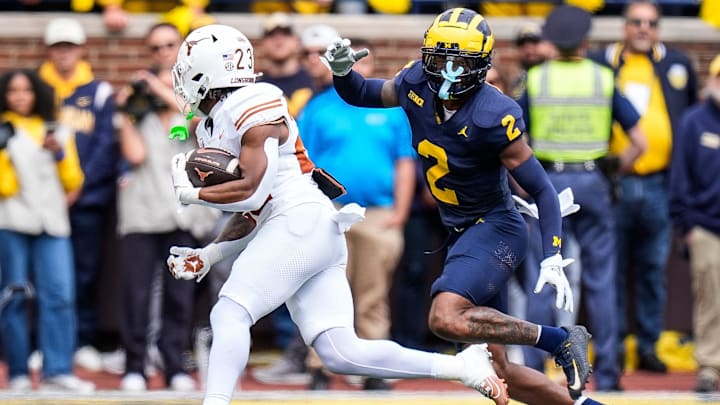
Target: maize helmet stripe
{"x": 446, "y": 27}
{"x": 458, "y": 33}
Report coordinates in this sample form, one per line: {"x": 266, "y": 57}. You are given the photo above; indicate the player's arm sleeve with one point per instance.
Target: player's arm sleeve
{"x": 531, "y": 176}
{"x": 359, "y": 91}
{"x": 623, "y": 111}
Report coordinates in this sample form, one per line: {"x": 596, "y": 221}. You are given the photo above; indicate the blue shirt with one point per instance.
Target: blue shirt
{"x": 358, "y": 146}
{"x": 89, "y": 111}
{"x": 694, "y": 180}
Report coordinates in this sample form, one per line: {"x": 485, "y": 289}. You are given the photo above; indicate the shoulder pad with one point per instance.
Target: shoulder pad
{"x": 254, "y": 105}
{"x": 412, "y": 72}
{"x": 491, "y": 105}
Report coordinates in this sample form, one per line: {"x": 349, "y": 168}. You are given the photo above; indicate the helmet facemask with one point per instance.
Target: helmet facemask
{"x": 189, "y": 93}
{"x": 451, "y": 75}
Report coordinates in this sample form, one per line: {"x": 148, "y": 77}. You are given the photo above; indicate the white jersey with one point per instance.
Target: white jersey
{"x": 296, "y": 254}
{"x": 260, "y": 104}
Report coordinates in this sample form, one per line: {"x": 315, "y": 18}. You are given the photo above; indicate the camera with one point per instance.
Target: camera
{"x": 6, "y": 132}
{"x": 141, "y": 101}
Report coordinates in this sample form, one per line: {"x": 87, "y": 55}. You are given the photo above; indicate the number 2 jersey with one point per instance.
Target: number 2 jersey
{"x": 461, "y": 156}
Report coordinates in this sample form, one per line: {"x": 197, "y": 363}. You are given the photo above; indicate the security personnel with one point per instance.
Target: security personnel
{"x": 570, "y": 104}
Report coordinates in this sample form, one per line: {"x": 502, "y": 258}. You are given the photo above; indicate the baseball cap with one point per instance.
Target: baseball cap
{"x": 318, "y": 36}
{"x": 277, "y": 22}
{"x": 64, "y": 30}
{"x": 715, "y": 66}
{"x": 528, "y": 32}
{"x": 567, "y": 26}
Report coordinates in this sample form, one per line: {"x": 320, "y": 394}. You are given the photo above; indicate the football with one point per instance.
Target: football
{"x": 210, "y": 166}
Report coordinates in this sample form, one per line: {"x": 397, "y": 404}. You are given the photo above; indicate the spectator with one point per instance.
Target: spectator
{"x": 660, "y": 82}
{"x": 86, "y": 107}
{"x": 378, "y": 170}
{"x": 281, "y": 63}
{"x": 283, "y": 68}
{"x": 695, "y": 208}
{"x": 532, "y": 50}
{"x": 186, "y": 15}
{"x": 710, "y": 12}
{"x": 533, "y": 8}
{"x": 39, "y": 175}
{"x": 149, "y": 221}
{"x": 570, "y": 104}
{"x": 293, "y": 6}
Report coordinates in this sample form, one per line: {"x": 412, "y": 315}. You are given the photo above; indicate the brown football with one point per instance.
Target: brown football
{"x": 210, "y": 166}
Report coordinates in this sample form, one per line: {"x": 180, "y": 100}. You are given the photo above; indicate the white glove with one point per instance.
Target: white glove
{"x": 551, "y": 272}
{"x": 340, "y": 58}
{"x": 565, "y": 198}
{"x": 185, "y": 192}
{"x": 187, "y": 263}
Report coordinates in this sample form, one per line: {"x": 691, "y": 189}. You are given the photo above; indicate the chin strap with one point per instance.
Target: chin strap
{"x": 450, "y": 75}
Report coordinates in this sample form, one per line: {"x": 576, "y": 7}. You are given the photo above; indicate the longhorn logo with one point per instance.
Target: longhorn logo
{"x": 190, "y": 44}
{"x": 203, "y": 175}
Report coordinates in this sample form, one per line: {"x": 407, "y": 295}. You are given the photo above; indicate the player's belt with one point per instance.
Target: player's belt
{"x": 586, "y": 166}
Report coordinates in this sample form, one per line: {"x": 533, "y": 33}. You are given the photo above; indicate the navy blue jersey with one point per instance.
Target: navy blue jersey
{"x": 460, "y": 157}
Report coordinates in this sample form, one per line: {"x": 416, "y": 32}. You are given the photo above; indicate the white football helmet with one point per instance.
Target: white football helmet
{"x": 211, "y": 57}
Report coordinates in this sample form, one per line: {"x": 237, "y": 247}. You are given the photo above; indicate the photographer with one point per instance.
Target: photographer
{"x": 149, "y": 222}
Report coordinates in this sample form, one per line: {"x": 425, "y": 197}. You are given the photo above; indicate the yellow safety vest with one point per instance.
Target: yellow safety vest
{"x": 570, "y": 110}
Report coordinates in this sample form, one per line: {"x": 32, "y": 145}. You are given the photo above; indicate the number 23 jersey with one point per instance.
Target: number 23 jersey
{"x": 461, "y": 156}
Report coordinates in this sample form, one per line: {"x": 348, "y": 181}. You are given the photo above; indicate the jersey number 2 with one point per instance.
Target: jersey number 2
{"x": 427, "y": 149}
{"x": 508, "y": 122}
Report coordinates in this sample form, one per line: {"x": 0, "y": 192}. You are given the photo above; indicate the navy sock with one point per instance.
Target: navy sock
{"x": 550, "y": 338}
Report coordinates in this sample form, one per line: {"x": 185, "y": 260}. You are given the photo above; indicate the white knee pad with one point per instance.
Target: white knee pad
{"x": 336, "y": 348}
{"x": 228, "y": 316}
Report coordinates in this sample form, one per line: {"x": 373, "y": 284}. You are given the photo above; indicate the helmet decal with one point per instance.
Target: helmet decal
{"x": 211, "y": 57}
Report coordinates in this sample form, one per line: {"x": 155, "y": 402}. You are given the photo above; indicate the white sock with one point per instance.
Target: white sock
{"x": 229, "y": 351}
{"x": 447, "y": 367}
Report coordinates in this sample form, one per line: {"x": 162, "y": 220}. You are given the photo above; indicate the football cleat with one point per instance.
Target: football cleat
{"x": 480, "y": 374}
{"x": 572, "y": 356}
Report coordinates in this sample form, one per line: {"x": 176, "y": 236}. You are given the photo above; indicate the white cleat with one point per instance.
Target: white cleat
{"x": 480, "y": 374}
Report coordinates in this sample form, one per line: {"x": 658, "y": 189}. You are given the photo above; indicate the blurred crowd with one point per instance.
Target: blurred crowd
{"x": 183, "y": 12}
{"x": 85, "y": 181}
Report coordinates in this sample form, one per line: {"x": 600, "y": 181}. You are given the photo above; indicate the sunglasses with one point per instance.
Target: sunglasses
{"x": 639, "y": 22}
{"x": 318, "y": 52}
{"x": 157, "y": 48}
